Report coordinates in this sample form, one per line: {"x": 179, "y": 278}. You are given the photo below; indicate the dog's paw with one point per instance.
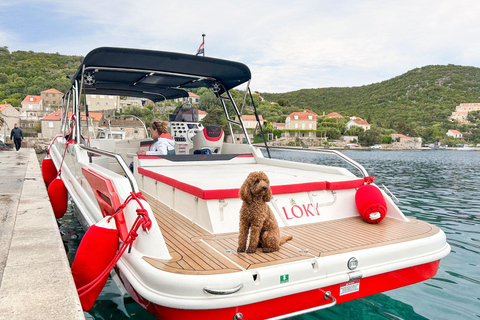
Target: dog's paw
{"x": 241, "y": 249}
{"x": 251, "y": 250}
{"x": 268, "y": 250}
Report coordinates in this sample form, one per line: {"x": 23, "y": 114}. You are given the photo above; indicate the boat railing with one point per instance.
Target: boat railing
{"x": 340, "y": 155}
{"x": 121, "y": 162}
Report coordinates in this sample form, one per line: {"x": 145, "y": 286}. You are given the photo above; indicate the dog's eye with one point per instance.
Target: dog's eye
{"x": 257, "y": 181}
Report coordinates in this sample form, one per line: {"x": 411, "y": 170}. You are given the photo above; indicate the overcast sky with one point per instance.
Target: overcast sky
{"x": 288, "y": 45}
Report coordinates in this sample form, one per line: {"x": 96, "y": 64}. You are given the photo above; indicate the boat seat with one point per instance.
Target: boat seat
{"x": 195, "y": 181}
{"x": 107, "y": 198}
{"x": 210, "y": 138}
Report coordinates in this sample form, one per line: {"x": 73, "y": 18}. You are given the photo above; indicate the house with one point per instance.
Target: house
{"x": 201, "y": 114}
{"x": 51, "y": 124}
{"x": 455, "y": 134}
{"x": 31, "y": 111}
{"x": 301, "y": 124}
{"x": 11, "y": 116}
{"x": 400, "y": 141}
{"x": 333, "y": 115}
{"x": 251, "y": 124}
{"x": 358, "y": 122}
{"x": 193, "y": 99}
{"x": 133, "y": 128}
{"x": 462, "y": 110}
{"x": 130, "y": 102}
{"x": 51, "y": 99}
{"x": 98, "y": 102}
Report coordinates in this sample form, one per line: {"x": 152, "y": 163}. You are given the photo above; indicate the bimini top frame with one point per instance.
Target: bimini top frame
{"x": 157, "y": 75}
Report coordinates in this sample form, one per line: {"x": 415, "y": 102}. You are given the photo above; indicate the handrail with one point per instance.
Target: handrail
{"x": 223, "y": 292}
{"x": 338, "y": 154}
{"x": 121, "y": 162}
{"x": 328, "y": 295}
{"x": 125, "y": 116}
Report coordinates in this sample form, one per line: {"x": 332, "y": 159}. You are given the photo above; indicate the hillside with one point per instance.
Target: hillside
{"x": 420, "y": 97}
{"x": 23, "y": 73}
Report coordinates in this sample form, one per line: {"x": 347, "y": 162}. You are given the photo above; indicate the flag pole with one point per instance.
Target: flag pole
{"x": 203, "y": 41}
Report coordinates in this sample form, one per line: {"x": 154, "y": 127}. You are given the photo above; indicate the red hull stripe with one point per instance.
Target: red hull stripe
{"x": 296, "y": 302}
{"x": 338, "y": 185}
{"x": 228, "y": 193}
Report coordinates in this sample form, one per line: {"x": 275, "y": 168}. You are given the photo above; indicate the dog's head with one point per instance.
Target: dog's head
{"x": 256, "y": 185}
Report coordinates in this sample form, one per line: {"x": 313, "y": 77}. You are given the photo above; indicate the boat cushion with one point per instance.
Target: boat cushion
{"x": 208, "y": 194}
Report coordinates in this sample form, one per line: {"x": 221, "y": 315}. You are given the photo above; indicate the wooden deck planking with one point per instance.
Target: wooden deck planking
{"x": 196, "y": 251}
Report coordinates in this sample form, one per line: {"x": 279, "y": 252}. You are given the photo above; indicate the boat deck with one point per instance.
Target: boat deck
{"x": 196, "y": 251}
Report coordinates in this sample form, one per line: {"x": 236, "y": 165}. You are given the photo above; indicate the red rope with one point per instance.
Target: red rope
{"x": 369, "y": 179}
{"x": 143, "y": 220}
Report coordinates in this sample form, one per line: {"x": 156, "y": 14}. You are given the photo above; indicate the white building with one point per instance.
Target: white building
{"x": 98, "y": 102}
{"x": 455, "y": 134}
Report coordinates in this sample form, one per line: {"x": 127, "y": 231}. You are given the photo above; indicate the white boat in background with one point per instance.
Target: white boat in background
{"x": 185, "y": 263}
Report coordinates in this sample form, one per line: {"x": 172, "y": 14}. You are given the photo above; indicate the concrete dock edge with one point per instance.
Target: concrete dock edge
{"x": 35, "y": 277}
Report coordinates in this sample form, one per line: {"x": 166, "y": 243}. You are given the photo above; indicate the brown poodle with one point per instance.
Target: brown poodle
{"x": 256, "y": 215}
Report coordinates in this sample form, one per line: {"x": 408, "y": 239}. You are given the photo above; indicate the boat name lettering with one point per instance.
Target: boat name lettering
{"x": 297, "y": 212}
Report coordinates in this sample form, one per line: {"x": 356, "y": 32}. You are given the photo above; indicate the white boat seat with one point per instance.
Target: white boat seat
{"x": 210, "y": 138}
{"x": 195, "y": 180}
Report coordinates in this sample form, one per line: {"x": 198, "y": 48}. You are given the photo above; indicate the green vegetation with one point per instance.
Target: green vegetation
{"x": 23, "y": 73}
{"x": 417, "y": 103}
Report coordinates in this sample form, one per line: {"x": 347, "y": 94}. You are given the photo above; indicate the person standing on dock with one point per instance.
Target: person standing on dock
{"x": 17, "y": 136}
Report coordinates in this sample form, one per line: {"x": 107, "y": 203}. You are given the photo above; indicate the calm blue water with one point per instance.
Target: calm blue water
{"x": 440, "y": 187}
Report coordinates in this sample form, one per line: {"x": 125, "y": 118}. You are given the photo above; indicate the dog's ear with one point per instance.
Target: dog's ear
{"x": 245, "y": 193}
{"x": 268, "y": 195}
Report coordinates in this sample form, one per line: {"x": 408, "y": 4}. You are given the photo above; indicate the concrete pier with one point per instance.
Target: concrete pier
{"x": 35, "y": 277}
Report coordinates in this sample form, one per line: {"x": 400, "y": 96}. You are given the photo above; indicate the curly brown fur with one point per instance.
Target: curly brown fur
{"x": 256, "y": 216}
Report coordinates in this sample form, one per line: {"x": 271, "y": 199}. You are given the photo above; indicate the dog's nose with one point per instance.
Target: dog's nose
{"x": 264, "y": 188}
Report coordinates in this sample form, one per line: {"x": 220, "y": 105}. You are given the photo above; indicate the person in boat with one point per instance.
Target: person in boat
{"x": 162, "y": 141}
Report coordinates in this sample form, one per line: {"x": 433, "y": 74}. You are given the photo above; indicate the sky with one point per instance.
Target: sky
{"x": 288, "y": 45}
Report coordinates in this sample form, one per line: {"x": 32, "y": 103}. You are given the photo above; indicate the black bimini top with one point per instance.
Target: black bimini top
{"x": 156, "y": 75}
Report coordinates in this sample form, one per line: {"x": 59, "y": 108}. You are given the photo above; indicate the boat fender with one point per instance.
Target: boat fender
{"x": 96, "y": 251}
{"x": 370, "y": 203}
{"x": 49, "y": 172}
{"x": 58, "y": 195}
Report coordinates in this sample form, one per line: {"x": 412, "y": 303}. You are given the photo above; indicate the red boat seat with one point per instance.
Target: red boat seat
{"x": 107, "y": 198}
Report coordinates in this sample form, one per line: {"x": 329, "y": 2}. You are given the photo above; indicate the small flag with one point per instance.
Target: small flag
{"x": 200, "y": 49}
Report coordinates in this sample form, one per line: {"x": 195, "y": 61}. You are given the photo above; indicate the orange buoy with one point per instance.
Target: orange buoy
{"x": 49, "y": 171}
{"x": 58, "y": 197}
{"x": 96, "y": 251}
{"x": 370, "y": 203}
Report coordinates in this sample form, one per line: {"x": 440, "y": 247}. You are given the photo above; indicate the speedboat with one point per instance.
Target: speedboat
{"x": 184, "y": 262}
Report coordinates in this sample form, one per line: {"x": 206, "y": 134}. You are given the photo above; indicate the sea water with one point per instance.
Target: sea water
{"x": 437, "y": 186}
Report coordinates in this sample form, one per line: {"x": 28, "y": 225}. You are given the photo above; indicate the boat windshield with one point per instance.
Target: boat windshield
{"x": 182, "y": 114}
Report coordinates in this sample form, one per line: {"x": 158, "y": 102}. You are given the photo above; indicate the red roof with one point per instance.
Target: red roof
{"x": 4, "y": 106}
{"x": 251, "y": 117}
{"x": 57, "y": 116}
{"x": 455, "y": 131}
{"x": 334, "y": 115}
{"x": 401, "y": 136}
{"x": 310, "y": 111}
{"x": 361, "y": 122}
{"x": 32, "y": 99}
{"x": 202, "y": 112}
{"x": 193, "y": 95}
{"x": 302, "y": 115}
{"x": 53, "y": 90}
